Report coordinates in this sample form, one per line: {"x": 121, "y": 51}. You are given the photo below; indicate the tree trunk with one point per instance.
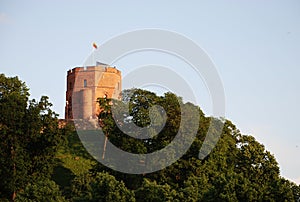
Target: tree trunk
{"x": 104, "y": 147}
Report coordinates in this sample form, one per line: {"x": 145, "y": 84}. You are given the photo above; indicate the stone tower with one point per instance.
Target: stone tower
{"x": 85, "y": 85}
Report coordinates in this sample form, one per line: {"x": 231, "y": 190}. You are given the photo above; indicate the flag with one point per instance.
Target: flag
{"x": 95, "y": 45}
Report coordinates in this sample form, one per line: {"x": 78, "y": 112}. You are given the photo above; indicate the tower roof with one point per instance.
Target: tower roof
{"x": 100, "y": 63}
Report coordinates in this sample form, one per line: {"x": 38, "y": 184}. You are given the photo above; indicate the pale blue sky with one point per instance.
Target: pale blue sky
{"x": 255, "y": 46}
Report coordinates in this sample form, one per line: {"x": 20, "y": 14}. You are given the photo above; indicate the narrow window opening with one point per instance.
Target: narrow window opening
{"x": 84, "y": 83}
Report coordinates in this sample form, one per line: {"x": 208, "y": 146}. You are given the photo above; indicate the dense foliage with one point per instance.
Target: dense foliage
{"x": 238, "y": 169}
{"x": 41, "y": 162}
{"x": 29, "y": 137}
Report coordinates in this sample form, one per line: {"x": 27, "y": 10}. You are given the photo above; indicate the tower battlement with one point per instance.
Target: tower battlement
{"x": 85, "y": 85}
{"x": 101, "y": 68}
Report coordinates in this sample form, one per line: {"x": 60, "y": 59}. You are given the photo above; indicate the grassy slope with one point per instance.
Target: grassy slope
{"x": 71, "y": 160}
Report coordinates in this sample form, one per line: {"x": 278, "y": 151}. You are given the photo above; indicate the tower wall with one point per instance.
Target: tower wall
{"x": 85, "y": 85}
{"x": 87, "y": 103}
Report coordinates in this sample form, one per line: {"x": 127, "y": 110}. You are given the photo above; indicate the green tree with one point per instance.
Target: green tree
{"x": 100, "y": 187}
{"x": 40, "y": 190}
{"x": 238, "y": 169}
{"x": 296, "y": 191}
{"x": 196, "y": 188}
{"x": 13, "y": 101}
{"x": 153, "y": 192}
{"x": 29, "y": 137}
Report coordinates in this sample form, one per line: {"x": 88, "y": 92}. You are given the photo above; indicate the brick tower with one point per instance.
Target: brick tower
{"x": 85, "y": 85}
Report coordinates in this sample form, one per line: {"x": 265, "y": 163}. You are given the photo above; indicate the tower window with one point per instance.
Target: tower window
{"x": 84, "y": 83}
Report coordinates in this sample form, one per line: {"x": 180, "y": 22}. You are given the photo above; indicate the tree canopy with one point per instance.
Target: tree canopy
{"x": 29, "y": 137}
{"x": 238, "y": 169}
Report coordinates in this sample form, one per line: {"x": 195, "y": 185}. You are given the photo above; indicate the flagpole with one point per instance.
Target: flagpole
{"x": 93, "y": 57}
{"x": 93, "y": 53}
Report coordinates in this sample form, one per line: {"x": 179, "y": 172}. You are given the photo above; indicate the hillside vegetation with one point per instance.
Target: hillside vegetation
{"x": 41, "y": 162}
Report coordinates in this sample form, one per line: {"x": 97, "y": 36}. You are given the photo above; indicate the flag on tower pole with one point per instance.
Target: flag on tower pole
{"x": 95, "y": 45}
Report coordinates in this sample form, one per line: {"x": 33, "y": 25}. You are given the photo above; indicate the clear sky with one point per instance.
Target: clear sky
{"x": 255, "y": 46}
